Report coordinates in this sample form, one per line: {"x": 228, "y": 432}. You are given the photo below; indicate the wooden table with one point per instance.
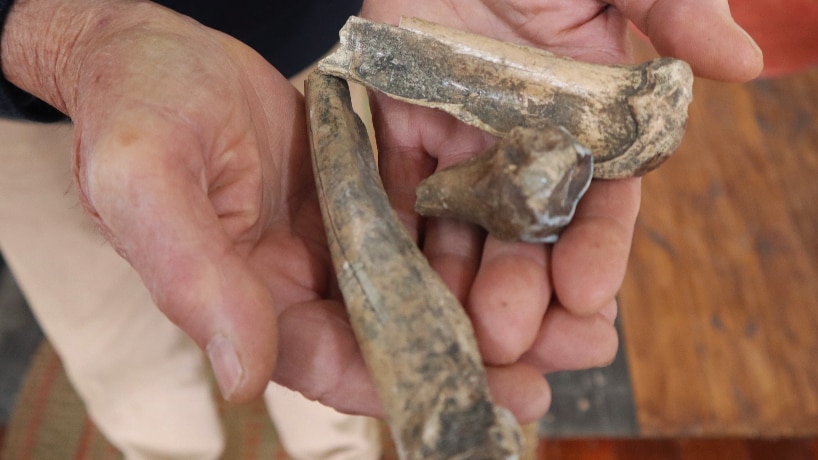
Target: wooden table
{"x": 720, "y": 303}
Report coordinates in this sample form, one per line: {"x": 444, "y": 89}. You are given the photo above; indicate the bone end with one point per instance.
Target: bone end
{"x": 659, "y": 107}
{"x": 524, "y": 188}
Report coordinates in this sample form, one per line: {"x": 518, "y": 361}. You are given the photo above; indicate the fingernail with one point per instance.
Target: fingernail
{"x": 226, "y": 365}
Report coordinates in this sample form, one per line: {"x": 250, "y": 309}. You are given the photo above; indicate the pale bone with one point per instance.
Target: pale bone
{"x": 526, "y": 187}
{"x": 631, "y": 117}
{"x": 415, "y": 336}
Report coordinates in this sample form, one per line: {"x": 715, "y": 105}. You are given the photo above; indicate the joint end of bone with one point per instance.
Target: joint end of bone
{"x": 525, "y": 188}
{"x": 659, "y": 110}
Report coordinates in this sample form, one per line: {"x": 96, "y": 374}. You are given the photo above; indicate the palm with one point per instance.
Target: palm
{"x": 586, "y": 29}
{"x": 292, "y": 255}
{"x": 192, "y": 157}
{"x": 537, "y": 307}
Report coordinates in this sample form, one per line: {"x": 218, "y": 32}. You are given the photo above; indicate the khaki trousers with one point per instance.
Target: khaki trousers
{"x": 144, "y": 382}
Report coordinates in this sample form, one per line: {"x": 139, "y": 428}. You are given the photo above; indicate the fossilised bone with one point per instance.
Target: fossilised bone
{"x": 526, "y": 187}
{"x": 630, "y": 117}
{"x": 415, "y": 336}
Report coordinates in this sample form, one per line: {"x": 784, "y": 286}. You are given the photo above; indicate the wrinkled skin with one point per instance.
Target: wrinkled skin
{"x": 191, "y": 156}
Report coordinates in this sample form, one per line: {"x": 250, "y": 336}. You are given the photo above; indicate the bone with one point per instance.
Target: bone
{"x": 525, "y": 188}
{"x": 415, "y": 336}
{"x": 631, "y": 117}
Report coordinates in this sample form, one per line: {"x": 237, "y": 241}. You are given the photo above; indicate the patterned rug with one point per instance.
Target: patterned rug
{"x": 49, "y": 422}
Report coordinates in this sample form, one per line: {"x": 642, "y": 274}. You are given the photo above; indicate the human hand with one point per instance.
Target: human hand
{"x": 191, "y": 156}
{"x": 541, "y": 308}
{"x": 216, "y": 208}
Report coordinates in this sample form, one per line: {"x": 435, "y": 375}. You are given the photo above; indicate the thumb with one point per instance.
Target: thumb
{"x": 701, "y": 32}
{"x": 146, "y": 190}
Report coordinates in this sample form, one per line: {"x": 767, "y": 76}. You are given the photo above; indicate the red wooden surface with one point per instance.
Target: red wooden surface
{"x": 679, "y": 449}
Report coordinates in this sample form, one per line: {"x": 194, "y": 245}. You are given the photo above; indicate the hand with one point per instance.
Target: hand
{"x": 191, "y": 155}
{"x": 542, "y": 308}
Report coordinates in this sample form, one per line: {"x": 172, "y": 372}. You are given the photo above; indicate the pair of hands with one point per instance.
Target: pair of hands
{"x": 191, "y": 155}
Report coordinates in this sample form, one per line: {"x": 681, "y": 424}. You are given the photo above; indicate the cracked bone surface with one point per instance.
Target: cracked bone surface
{"x": 415, "y": 336}
{"x": 631, "y": 117}
{"x": 526, "y": 187}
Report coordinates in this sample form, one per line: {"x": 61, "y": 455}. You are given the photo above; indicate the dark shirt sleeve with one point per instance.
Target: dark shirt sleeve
{"x": 291, "y": 34}
{"x": 16, "y": 103}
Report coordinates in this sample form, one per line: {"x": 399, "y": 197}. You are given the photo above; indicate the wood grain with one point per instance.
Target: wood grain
{"x": 679, "y": 449}
{"x": 720, "y": 303}
{"x": 576, "y": 449}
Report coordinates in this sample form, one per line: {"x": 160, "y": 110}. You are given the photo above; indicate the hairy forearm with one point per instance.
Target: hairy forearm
{"x": 44, "y": 43}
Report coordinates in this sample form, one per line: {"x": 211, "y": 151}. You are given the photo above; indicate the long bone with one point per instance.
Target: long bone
{"x": 415, "y": 336}
{"x": 630, "y": 117}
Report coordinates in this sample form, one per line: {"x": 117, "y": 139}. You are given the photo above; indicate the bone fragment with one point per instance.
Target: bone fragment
{"x": 525, "y": 188}
{"x": 415, "y": 337}
{"x": 631, "y": 117}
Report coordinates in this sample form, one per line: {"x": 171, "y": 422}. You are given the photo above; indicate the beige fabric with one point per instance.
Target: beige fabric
{"x": 340, "y": 437}
{"x": 145, "y": 384}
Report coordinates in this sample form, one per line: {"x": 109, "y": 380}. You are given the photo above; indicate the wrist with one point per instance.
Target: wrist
{"x": 43, "y": 43}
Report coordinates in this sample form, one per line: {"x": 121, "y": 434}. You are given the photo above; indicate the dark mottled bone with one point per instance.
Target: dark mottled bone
{"x": 630, "y": 117}
{"x": 414, "y": 335}
{"x": 526, "y": 187}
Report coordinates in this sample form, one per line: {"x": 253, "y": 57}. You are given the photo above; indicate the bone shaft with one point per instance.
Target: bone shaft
{"x": 414, "y": 335}
{"x": 630, "y": 117}
{"x": 427, "y": 65}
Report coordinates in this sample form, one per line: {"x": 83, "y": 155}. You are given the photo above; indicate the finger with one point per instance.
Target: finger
{"x": 412, "y": 142}
{"x": 570, "y": 342}
{"x": 701, "y": 32}
{"x": 610, "y": 312}
{"x": 520, "y": 388}
{"x": 319, "y": 357}
{"x": 508, "y": 300}
{"x": 402, "y": 161}
{"x": 590, "y": 258}
{"x": 453, "y": 251}
{"x": 150, "y": 200}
